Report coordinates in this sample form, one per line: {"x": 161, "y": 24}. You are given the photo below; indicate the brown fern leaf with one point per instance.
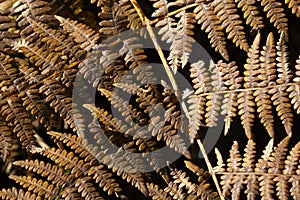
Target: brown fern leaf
{"x": 214, "y": 100}
{"x": 41, "y": 188}
{"x": 86, "y": 188}
{"x": 8, "y": 31}
{"x": 106, "y": 181}
{"x": 181, "y": 46}
{"x": 267, "y": 73}
{"x": 210, "y": 24}
{"x": 34, "y": 103}
{"x": 37, "y": 10}
{"x": 251, "y": 13}
{"x": 279, "y": 94}
{"x": 79, "y": 145}
{"x": 14, "y": 113}
{"x": 231, "y": 22}
{"x": 65, "y": 159}
{"x": 127, "y": 8}
{"x": 245, "y": 98}
{"x": 175, "y": 192}
{"x": 106, "y": 119}
{"x": 14, "y": 193}
{"x": 294, "y": 89}
{"x": 157, "y": 193}
{"x": 113, "y": 21}
{"x": 275, "y": 12}
{"x": 294, "y": 5}
{"x": 232, "y": 81}
{"x": 81, "y": 33}
{"x": 58, "y": 41}
{"x": 272, "y": 172}
{"x": 55, "y": 95}
{"x": 46, "y": 61}
{"x": 291, "y": 167}
{"x": 53, "y": 173}
{"x": 5, "y": 140}
{"x": 276, "y": 165}
{"x": 234, "y": 162}
{"x": 8, "y": 74}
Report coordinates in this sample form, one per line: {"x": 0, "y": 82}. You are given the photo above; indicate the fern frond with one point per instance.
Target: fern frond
{"x": 157, "y": 193}
{"x": 210, "y": 24}
{"x": 275, "y": 12}
{"x": 67, "y": 160}
{"x": 14, "y": 113}
{"x": 8, "y": 73}
{"x": 232, "y": 81}
{"x": 294, "y": 89}
{"x": 272, "y": 172}
{"x": 105, "y": 180}
{"x": 41, "y": 188}
{"x": 86, "y": 188}
{"x": 231, "y": 22}
{"x": 5, "y": 140}
{"x": 37, "y": 10}
{"x": 266, "y": 75}
{"x": 127, "y": 8}
{"x": 251, "y": 13}
{"x": 58, "y": 41}
{"x": 14, "y": 193}
{"x": 55, "y": 95}
{"x": 79, "y": 145}
{"x": 53, "y": 173}
{"x": 181, "y": 46}
{"x": 245, "y": 98}
{"x": 214, "y": 100}
{"x": 279, "y": 94}
{"x": 81, "y": 33}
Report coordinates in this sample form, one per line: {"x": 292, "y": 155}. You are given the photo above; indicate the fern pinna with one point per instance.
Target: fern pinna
{"x": 51, "y": 147}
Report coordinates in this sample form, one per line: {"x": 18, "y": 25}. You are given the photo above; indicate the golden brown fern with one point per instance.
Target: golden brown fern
{"x": 272, "y": 172}
{"x": 231, "y": 22}
{"x": 210, "y": 23}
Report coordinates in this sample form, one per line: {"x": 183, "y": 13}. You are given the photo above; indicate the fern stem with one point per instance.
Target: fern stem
{"x": 210, "y": 168}
{"x": 169, "y": 72}
{"x": 147, "y": 23}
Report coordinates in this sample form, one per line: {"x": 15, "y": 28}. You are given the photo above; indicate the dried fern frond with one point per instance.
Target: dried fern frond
{"x": 251, "y": 13}
{"x": 232, "y": 81}
{"x": 267, "y": 73}
{"x": 245, "y": 98}
{"x": 65, "y": 159}
{"x": 294, "y": 89}
{"x": 58, "y": 41}
{"x": 37, "y": 10}
{"x": 53, "y": 173}
{"x": 275, "y": 12}
{"x": 13, "y": 112}
{"x": 81, "y": 33}
{"x": 181, "y": 45}
{"x": 211, "y": 24}
{"x": 61, "y": 104}
{"x": 41, "y": 188}
{"x": 279, "y": 94}
{"x": 231, "y": 22}
{"x": 5, "y": 140}
{"x": 272, "y": 172}
{"x": 14, "y": 193}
